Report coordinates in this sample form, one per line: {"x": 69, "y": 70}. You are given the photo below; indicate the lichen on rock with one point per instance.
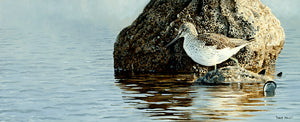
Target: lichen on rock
{"x": 140, "y": 46}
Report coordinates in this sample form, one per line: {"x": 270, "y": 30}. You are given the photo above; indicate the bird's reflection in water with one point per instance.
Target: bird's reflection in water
{"x": 173, "y": 97}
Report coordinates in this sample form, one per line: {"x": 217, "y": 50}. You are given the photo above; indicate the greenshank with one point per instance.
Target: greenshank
{"x": 208, "y": 49}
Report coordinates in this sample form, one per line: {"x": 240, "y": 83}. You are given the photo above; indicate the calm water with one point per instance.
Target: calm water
{"x": 56, "y": 64}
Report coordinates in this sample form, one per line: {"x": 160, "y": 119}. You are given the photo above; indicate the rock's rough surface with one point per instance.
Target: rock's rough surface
{"x": 140, "y": 46}
{"x": 232, "y": 74}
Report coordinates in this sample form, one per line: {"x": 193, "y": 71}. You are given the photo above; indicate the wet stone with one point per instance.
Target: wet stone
{"x": 231, "y": 74}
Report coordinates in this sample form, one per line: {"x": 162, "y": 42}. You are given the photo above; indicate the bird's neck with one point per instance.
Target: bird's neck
{"x": 190, "y": 35}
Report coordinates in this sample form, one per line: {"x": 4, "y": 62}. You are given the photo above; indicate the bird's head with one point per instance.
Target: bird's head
{"x": 185, "y": 29}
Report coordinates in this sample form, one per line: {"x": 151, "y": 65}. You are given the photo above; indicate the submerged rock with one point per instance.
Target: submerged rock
{"x": 140, "y": 46}
{"x": 232, "y": 74}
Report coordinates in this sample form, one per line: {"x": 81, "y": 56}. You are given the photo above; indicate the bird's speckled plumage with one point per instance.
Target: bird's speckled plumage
{"x": 208, "y": 49}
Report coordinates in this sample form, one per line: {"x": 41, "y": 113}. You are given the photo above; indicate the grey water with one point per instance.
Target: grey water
{"x": 56, "y": 64}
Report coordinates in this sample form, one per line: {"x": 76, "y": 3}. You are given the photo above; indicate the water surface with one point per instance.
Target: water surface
{"x": 56, "y": 64}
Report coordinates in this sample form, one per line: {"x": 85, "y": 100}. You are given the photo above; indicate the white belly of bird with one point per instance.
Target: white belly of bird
{"x": 208, "y": 55}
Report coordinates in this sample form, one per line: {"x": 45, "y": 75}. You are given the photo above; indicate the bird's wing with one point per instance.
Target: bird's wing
{"x": 238, "y": 42}
{"x": 222, "y": 41}
{"x": 218, "y": 40}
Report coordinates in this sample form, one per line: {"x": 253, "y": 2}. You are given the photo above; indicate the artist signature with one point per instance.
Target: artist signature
{"x": 284, "y": 117}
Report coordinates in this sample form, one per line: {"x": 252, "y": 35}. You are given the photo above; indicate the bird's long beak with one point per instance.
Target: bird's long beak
{"x": 174, "y": 40}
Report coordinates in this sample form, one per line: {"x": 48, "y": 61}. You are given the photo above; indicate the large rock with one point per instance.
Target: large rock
{"x": 140, "y": 46}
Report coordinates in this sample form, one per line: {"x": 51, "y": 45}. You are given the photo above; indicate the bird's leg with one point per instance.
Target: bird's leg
{"x": 236, "y": 61}
{"x": 215, "y": 67}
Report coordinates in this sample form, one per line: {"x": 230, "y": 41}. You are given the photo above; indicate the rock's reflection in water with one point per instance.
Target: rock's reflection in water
{"x": 173, "y": 97}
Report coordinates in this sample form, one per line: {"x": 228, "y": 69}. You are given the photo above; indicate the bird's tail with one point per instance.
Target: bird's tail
{"x": 236, "y": 49}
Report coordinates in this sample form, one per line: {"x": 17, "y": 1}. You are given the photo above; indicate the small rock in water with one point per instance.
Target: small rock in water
{"x": 279, "y": 74}
{"x": 262, "y": 72}
{"x": 269, "y": 88}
